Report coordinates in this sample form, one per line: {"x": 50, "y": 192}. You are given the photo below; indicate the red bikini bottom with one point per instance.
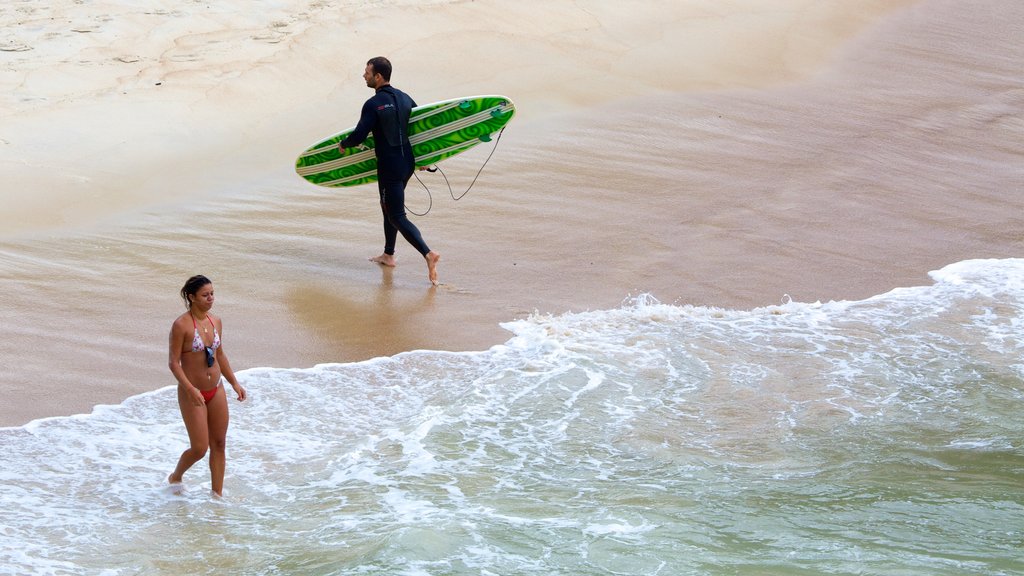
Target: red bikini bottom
{"x": 209, "y": 394}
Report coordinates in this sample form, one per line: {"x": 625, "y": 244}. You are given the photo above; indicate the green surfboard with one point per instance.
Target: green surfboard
{"x": 437, "y": 131}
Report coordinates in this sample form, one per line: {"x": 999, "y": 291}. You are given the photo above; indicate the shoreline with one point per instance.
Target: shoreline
{"x": 854, "y": 180}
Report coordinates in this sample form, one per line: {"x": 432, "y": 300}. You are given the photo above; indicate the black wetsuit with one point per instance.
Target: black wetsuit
{"x": 386, "y": 115}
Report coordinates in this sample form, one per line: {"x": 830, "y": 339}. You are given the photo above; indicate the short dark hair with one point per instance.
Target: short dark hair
{"x": 192, "y": 285}
{"x": 382, "y": 66}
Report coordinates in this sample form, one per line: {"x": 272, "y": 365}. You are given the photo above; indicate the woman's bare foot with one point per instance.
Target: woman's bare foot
{"x": 432, "y": 258}
{"x": 176, "y": 486}
{"x": 384, "y": 260}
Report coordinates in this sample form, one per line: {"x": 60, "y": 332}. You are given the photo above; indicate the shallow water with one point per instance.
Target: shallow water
{"x": 879, "y": 436}
{"x": 740, "y": 427}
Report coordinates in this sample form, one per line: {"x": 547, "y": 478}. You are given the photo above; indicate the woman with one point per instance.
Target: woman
{"x": 198, "y": 362}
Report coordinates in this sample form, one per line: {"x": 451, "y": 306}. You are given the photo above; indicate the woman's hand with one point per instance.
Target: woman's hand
{"x": 240, "y": 391}
{"x": 196, "y": 396}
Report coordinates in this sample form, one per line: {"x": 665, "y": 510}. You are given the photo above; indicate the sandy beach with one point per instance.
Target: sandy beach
{"x": 717, "y": 154}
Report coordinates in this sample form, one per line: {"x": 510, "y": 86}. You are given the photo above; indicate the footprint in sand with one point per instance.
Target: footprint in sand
{"x": 453, "y": 289}
{"x": 275, "y": 34}
{"x": 14, "y": 46}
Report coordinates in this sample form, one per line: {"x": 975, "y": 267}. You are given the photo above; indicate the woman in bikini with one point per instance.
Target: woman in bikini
{"x": 198, "y": 362}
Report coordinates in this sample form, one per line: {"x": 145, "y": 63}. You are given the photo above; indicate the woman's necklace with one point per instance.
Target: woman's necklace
{"x": 200, "y": 323}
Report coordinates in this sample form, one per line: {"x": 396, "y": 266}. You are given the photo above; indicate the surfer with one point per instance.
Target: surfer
{"x": 198, "y": 361}
{"x": 386, "y": 116}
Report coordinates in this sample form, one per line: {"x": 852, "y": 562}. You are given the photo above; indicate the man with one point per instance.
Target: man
{"x": 386, "y": 115}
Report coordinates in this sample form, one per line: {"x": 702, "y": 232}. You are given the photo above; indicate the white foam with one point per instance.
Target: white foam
{"x": 577, "y": 417}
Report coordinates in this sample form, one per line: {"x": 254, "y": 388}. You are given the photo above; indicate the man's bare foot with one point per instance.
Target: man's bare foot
{"x": 432, "y": 258}
{"x": 384, "y": 260}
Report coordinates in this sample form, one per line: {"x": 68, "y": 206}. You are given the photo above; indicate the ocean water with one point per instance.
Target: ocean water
{"x": 881, "y": 436}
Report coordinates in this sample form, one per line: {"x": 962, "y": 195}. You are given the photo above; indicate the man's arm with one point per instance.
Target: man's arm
{"x": 367, "y": 119}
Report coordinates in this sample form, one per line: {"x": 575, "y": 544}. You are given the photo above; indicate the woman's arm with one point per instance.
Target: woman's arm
{"x": 174, "y": 363}
{"x": 225, "y": 365}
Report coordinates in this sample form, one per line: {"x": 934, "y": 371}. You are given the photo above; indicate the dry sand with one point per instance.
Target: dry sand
{"x": 708, "y": 153}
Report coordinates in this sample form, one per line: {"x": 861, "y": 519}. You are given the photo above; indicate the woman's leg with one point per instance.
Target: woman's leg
{"x": 217, "y": 418}
{"x": 198, "y": 435}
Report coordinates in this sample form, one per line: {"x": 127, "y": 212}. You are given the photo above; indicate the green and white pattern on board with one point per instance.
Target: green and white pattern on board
{"x": 437, "y": 131}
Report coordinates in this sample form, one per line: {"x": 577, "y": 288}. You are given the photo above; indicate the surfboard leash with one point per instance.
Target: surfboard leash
{"x": 451, "y": 192}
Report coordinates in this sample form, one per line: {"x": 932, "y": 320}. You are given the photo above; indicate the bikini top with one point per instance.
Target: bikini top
{"x": 197, "y": 341}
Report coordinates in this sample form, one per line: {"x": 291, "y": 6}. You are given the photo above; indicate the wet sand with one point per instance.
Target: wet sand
{"x": 711, "y": 154}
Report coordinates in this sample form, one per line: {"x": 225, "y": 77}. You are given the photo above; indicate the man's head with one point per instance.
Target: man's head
{"x": 378, "y": 72}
